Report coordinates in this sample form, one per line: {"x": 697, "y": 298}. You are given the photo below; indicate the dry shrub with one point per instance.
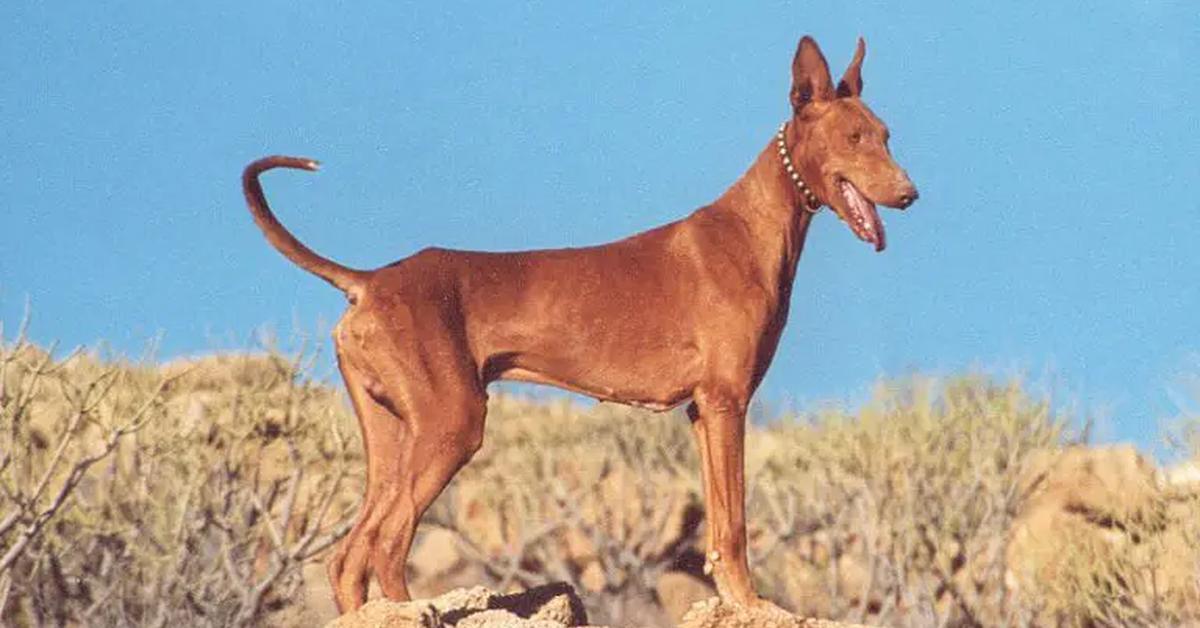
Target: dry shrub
{"x": 143, "y": 495}
{"x": 866, "y": 517}
{"x": 1119, "y": 579}
{"x": 898, "y": 515}
{"x": 603, "y": 498}
{"x": 901, "y": 513}
{"x": 193, "y": 493}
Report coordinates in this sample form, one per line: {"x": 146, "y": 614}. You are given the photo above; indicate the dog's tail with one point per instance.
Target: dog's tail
{"x": 346, "y": 279}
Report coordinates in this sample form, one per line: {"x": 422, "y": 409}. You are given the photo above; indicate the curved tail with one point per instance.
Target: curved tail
{"x": 345, "y": 278}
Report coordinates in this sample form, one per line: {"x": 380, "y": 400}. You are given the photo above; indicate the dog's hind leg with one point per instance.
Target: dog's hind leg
{"x": 447, "y": 430}
{"x": 384, "y": 433}
{"x": 421, "y": 407}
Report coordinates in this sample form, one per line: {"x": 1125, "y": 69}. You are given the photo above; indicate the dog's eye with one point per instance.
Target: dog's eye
{"x": 855, "y": 138}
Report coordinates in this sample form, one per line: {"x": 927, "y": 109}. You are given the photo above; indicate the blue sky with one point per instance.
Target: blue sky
{"x": 1057, "y": 149}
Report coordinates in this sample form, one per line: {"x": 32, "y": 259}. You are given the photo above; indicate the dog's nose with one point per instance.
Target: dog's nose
{"x": 908, "y": 198}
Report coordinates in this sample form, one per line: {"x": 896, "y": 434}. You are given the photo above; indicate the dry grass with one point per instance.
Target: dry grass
{"x": 137, "y": 494}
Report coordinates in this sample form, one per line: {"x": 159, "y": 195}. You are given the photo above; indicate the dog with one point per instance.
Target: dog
{"x": 688, "y": 312}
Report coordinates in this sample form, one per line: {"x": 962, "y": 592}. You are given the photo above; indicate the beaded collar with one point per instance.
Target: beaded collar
{"x": 812, "y": 204}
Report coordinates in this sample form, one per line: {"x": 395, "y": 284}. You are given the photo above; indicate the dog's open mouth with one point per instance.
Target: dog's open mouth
{"x": 861, "y": 215}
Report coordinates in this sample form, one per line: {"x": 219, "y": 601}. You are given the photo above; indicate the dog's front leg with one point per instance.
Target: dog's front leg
{"x": 719, "y": 423}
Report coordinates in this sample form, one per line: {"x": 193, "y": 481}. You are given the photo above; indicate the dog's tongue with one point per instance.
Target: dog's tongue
{"x": 865, "y": 221}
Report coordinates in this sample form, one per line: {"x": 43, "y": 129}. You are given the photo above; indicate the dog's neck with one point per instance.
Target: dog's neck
{"x": 772, "y": 208}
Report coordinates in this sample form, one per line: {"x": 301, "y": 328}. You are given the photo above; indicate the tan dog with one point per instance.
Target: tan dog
{"x": 691, "y": 310}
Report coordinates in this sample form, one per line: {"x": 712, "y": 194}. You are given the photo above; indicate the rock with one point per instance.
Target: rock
{"x": 1099, "y": 483}
{"x": 463, "y": 602}
{"x": 713, "y": 613}
{"x": 386, "y": 614}
{"x": 503, "y": 619}
{"x": 1184, "y": 476}
{"x": 564, "y": 609}
{"x": 677, "y": 591}
{"x": 1101, "y": 524}
{"x": 1079, "y": 496}
{"x": 549, "y": 606}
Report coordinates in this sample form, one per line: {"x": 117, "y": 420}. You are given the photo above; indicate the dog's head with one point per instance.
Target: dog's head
{"x": 840, "y": 147}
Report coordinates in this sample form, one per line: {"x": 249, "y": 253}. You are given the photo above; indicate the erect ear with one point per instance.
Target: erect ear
{"x": 851, "y": 83}
{"x": 810, "y": 75}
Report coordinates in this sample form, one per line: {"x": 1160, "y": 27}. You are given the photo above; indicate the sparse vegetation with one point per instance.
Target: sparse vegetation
{"x": 141, "y": 495}
{"x": 194, "y": 493}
